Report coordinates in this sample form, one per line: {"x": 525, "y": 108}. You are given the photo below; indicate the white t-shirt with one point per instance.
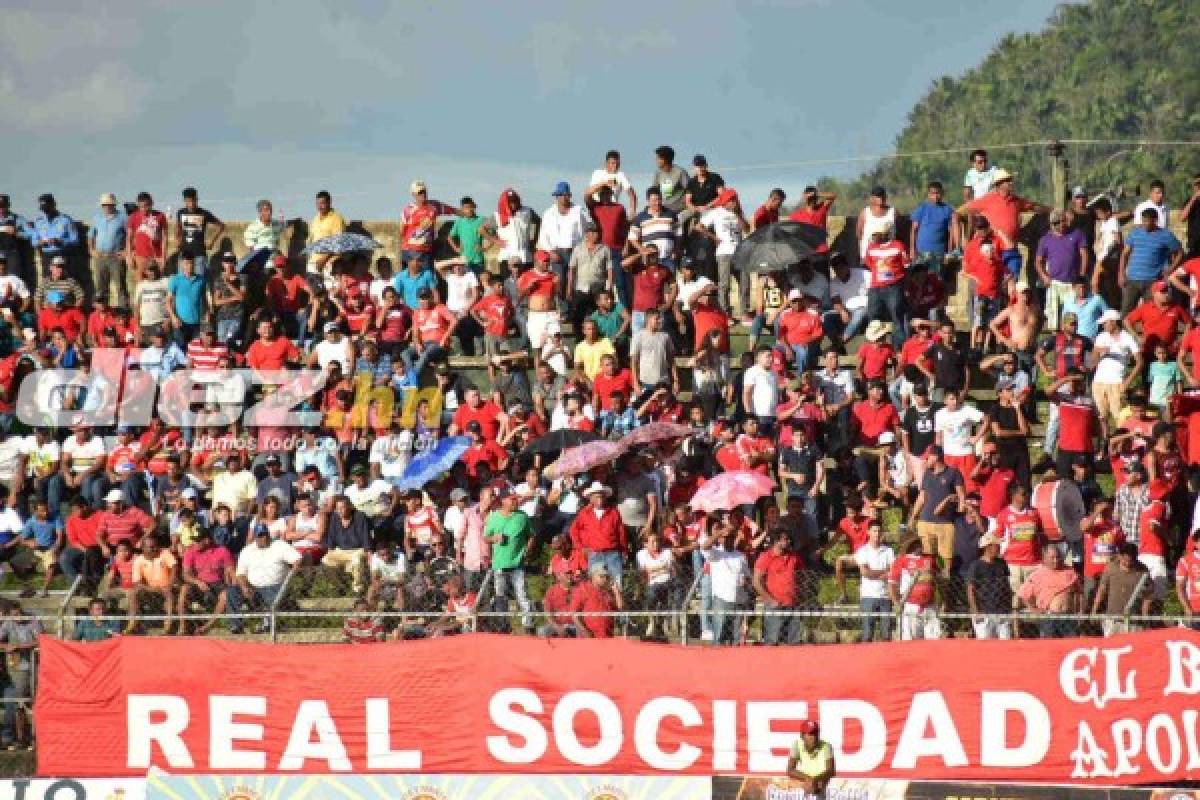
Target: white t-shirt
{"x": 392, "y": 453}
{"x": 1120, "y": 351}
{"x": 389, "y": 571}
{"x": 516, "y": 237}
{"x": 1106, "y": 238}
{"x": 1163, "y": 214}
{"x": 955, "y": 428}
{"x": 725, "y": 224}
{"x": 266, "y": 566}
{"x": 657, "y": 568}
{"x": 370, "y": 499}
{"x": 880, "y": 557}
{"x": 764, "y": 386}
{"x": 376, "y": 290}
{"x": 457, "y": 287}
{"x": 980, "y": 183}
{"x": 11, "y": 448}
{"x": 84, "y": 456}
{"x": 328, "y": 352}
{"x": 729, "y": 573}
{"x": 619, "y": 191}
{"x": 853, "y": 291}
{"x": 818, "y": 287}
{"x": 12, "y": 286}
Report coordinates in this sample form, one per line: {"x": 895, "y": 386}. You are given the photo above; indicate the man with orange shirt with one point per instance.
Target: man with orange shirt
{"x": 154, "y": 572}
{"x": 600, "y": 597}
{"x": 1161, "y": 321}
{"x": 288, "y": 295}
{"x": 610, "y": 381}
{"x": 270, "y": 351}
{"x": 146, "y": 237}
{"x": 887, "y": 259}
{"x": 1003, "y": 208}
{"x": 433, "y": 325}
{"x": 707, "y": 315}
{"x": 560, "y": 621}
{"x": 774, "y": 581}
{"x": 476, "y": 409}
{"x": 985, "y": 269}
{"x": 875, "y": 356}
{"x": 754, "y": 451}
{"x": 800, "y": 328}
{"x": 418, "y": 226}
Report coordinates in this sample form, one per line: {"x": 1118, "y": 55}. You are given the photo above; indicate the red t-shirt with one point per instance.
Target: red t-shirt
{"x": 537, "y": 284}
{"x": 874, "y": 358}
{"x": 818, "y": 216}
{"x": 419, "y": 225}
{"x": 800, "y": 327}
{"x": 709, "y": 318}
{"x": 1100, "y": 546}
{"x": 1076, "y": 423}
{"x": 1188, "y": 571}
{"x": 605, "y": 387}
{"x": 1003, "y": 212}
{"x": 1021, "y": 536}
{"x": 275, "y": 354}
{"x": 728, "y": 459}
{"x": 1160, "y": 325}
{"x": 993, "y": 489}
{"x": 487, "y": 452}
{"x": 855, "y": 530}
{"x": 81, "y": 532}
{"x": 915, "y": 350}
{"x": 1191, "y": 343}
{"x": 70, "y": 319}
{"x": 97, "y": 321}
{"x": 764, "y": 216}
{"x": 148, "y": 233}
{"x": 396, "y": 324}
{"x": 497, "y": 313}
{"x": 873, "y": 421}
{"x": 589, "y": 598}
{"x": 919, "y": 569}
{"x": 779, "y": 575}
{"x": 987, "y": 272}
{"x": 888, "y": 263}
{"x": 1152, "y": 523}
{"x": 576, "y": 563}
{"x": 749, "y": 446}
{"x": 287, "y": 294}
{"x": 648, "y": 284}
{"x": 613, "y": 222}
{"x": 432, "y": 323}
{"x": 360, "y": 318}
{"x": 1192, "y": 268}
{"x": 487, "y": 415}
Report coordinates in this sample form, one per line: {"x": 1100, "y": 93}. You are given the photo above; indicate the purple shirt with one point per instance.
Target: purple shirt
{"x": 1062, "y": 254}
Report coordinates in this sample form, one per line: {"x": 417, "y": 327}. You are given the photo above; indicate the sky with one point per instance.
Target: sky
{"x": 252, "y": 99}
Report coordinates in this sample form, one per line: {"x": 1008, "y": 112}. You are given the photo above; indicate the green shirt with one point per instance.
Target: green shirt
{"x": 609, "y": 323}
{"x": 466, "y": 231}
{"x": 509, "y": 552}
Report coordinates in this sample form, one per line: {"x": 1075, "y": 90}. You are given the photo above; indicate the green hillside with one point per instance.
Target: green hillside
{"x": 1103, "y": 70}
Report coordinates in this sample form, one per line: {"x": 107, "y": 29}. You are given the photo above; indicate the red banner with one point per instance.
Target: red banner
{"x": 1101, "y": 711}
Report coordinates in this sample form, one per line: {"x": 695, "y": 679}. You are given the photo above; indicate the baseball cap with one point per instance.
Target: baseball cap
{"x": 54, "y": 297}
{"x": 887, "y": 437}
{"x": 261, "y": 530}
{"x": 279, "y": 260}
{"x": 809, "y": 727}
{"x": 1111, "y": 315}
{"x": 58, "y": 261}
{"x": 1159, "y": 286}
{"x": 458, "y": 494}
{"x": 1056, "y": 215}
{"x": 114, "y": 496}
{"x": 416, "y": 187}
{"x": 699, "y": 160}
{"x": 1079, "y": 191}
{"x": 330, "y": 326}
{"x": 273, "y": 459}
{"x": 987, "y": 539}
{"x": 560, "y": 188}
{"x": 108, "y": 199}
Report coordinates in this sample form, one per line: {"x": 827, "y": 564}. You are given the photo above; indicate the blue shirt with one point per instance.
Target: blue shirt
{"x": 189, "y": 297}
{"x": 44, "y": 534}
{"x": 1152, "y": 250}
{"x": 107, "y": 234}
{"x": 933, "y": 231}
{"x": 61, "y": 227}
{"x": 409, "y": 285}
{"x": 1088, "y": 314}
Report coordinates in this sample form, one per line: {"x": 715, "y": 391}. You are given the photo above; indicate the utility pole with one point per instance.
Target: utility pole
{"x": 1058, "y": 173}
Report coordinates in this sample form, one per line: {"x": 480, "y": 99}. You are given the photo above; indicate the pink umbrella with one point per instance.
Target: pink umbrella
{"x": 732, "y": 489}
{"x": 656, "y": 432}
{"x": 583, "y": 457}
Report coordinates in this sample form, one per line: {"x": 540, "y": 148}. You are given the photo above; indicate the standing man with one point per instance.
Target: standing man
{"x": 1150, "y": 253}
{"x": 589, "y": 272}
{"x": 326, "y": 222}
{"x": 1190, "y": 213}
{"x": 941, "y": 498}
{"x": 562, "y": 230}
{"x": 768, "y": 212}
{"x": 612, "y": 177}
{"x": 1061, "y": 257}
{"x": 146, "y": 238}
{"x": 671, "y": 181}
{"x": 418, "y": 225}
{"x": 508, "y": 531}
{"x": 934, "y": 230}
{"x": 51, "y": 232}
{"x": 980, "y": 176}
{"x": 814, "y": 210}
{"x": 191, "y": 229}
{"x": 725, "y": 225}
{"x": 12, "y": 227}
{"x": 186, "y": 300}
{"x": 1002, "y": 208}
{"x": 108, "y": 241}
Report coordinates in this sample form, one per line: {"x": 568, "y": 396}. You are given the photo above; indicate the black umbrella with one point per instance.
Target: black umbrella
{"x": 776, "y": 247}
{"x": 557, "y": 441}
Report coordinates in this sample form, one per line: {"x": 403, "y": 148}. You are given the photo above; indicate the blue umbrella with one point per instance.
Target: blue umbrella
{"x": 433, "y": 462}
{"x": 342, "y": 243}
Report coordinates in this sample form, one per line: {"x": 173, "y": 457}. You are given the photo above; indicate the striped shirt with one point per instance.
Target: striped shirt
{"x": 127, "y": 526}
{"x": 69, "y": 287}
{"x": 658, "y": 230}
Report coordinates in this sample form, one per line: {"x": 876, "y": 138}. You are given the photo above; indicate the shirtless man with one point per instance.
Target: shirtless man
{"x": 538, "y": 287}
{"x": 1024, "y": 319}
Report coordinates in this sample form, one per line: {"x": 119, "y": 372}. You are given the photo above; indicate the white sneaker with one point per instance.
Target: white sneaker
{"x": 706, "y": 636}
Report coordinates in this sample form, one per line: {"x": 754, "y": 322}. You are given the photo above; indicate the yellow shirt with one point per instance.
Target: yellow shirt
{"x": 235, "y": 489}
{"x": 814, "y": 763}
{"x": 321, "y": 226}
{"x": 589, "y": 356}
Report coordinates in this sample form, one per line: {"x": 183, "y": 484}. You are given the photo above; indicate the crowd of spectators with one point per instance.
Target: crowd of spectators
{"x": 611, "y": 308}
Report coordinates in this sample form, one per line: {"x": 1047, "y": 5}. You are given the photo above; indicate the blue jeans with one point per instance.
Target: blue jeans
{"x": 430, "y": 352}
{"x": 621, "y": 280}
{"x": 831, "y": 321}
{"x": 778, "y": 629}
{"x": 515, "y": 579}
{"x": 869, "y": 624}
{"x": 887, "y": 302}
{"x": 261, "y": 596}
{"x": 228, "y": 331}
{"x": 1012, "y": 260}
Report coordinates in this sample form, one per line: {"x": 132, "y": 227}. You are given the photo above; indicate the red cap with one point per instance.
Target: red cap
{"x": 725, "y": 196}
{"x": 1159, "y": 286}
{"x": 279, "y": 260}
{"x": 542, "y": 255}
{"x": 808, "y": 726}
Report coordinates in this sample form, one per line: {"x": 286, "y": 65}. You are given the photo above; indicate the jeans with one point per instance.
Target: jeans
{"x": 1057, "y": 628}
{"x": 260, "y": 596}
{"x": 725, "y": 625}
{"x": 706, "y": 604}
{"x": 257, "y": 257}
{"x": 432, "y": 351}
{"x": 87, "y": 563}
{"x": 186, "y": 332}
{"x": 611, "y": 559}
{"x": 875, "y": 605}
{"x": 887, "y": 302}
{"x": 1012, "y": 260}
{"x": 228, "y": 331}
{"x": 779, "y": 629}
{"x": 108, "y": 277}
{"x": 835, "y": 329}
{"x": 621, "y": 279}
{"x": 1134, "y": 293}
{"x": 513, "y": 578}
